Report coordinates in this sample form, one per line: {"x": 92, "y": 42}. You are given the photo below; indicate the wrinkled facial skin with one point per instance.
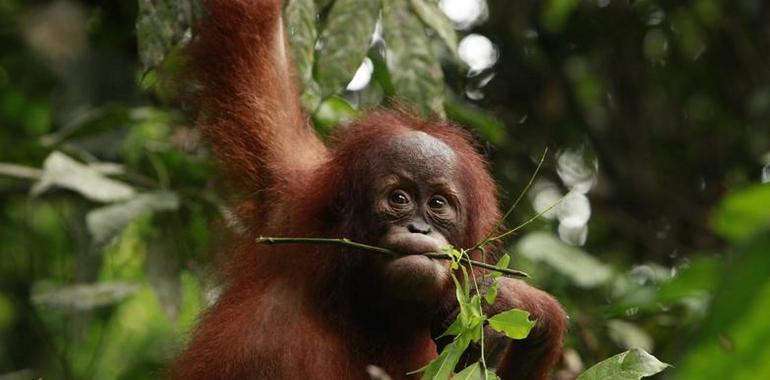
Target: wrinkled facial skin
{"x": 417, "y": 207}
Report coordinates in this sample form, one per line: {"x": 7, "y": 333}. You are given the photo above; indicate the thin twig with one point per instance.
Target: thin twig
{"x": 528, "y": 221}
{"x": 487, "y": 239}
{"x": 383, "y": 251}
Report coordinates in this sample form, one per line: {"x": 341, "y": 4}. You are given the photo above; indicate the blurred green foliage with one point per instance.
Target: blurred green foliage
{"x": 109, "y": 196}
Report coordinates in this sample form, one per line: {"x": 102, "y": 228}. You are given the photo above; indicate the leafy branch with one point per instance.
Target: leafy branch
{"x": 386, "y": 252}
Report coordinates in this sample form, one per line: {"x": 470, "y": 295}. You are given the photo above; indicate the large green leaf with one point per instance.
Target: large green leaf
{"x": 630, "y": 365}
{"x": 344, "y": 42}
{"x": 514, "y": 323}
{"x": 414, "y": 69}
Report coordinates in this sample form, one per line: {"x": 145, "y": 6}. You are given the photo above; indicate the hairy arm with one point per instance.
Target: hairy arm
{"x": 245, "y": 91}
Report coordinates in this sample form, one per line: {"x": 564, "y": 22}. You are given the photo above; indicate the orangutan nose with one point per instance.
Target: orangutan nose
{"x": 418, "y": 228}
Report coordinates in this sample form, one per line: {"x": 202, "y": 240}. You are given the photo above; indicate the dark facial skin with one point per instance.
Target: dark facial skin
{"x": 417, "y": 207}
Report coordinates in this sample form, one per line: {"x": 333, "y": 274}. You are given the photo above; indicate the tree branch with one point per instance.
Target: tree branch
{"x": 384, "y": 251}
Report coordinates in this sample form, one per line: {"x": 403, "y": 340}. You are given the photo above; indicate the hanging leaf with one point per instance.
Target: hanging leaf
{"x": 161, "y": 25}
{"x": 344, "y": 43}
{"x": 514, "y": 323}
{"x": 414, "y": 69}
{"x": 630, "y": 365}
{"x": 59, "y": 170}
{"x": 84, "y": 297}
{"x": 300, "y": 18}
{"x": 436, "y": 19}
{"x": 104, "y": 223}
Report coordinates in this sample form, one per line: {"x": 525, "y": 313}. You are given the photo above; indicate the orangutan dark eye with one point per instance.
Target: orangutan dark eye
{"x": 398, "y": 197}
{"x": 437, "y": 202}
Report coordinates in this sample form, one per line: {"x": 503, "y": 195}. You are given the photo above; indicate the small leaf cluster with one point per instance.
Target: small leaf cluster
{"x": 468, "y": 327}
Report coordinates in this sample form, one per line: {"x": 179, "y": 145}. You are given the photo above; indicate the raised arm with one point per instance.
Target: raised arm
{"x": 245, "y": 91}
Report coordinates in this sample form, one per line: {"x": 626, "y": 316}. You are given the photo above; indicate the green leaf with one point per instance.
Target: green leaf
{"x": 475, "y": 319}
{"x": 514, "y": 323}
{"x": 443, "y": 366}
{"x": 743, "y": 213}
{"x": 59, "y": 170}
{"x": 459, "y": 293}
{"x": 106, "y": 222}
{"x": 344, "y": 43}
{"x": 436, "y": 19}
{"x": 491, "y": 293}
{"x": 161, "y": 25}
{"x": 456, "y": 328}
{"x": 630, "y": 365}
{"x": 300, "y": 16}
{"x": 504, "y": 262}
{"x": 471, "y": 372}
{"x": 415, "y": 71}
{"x": 583, "y": 269}
{"x": 470, "y": 317}
{"x": 474, "y": 372}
